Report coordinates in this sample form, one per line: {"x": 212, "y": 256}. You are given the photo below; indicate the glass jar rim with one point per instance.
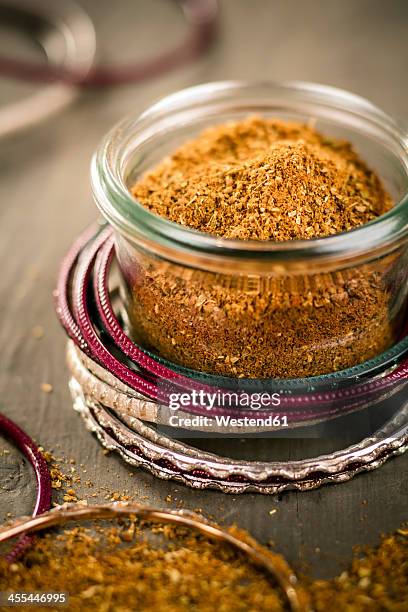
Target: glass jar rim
{"x": 177, "y": 243}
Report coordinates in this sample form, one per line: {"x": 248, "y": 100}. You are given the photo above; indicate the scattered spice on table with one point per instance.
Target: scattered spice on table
{"x": 38, "y": 332}
{"x": 46, "y": 387}
{"x": 377, "y": 580}
{"x": 68, "y": 482}
{"x": 264, "y": 180}
{"x": 62, "y": 480}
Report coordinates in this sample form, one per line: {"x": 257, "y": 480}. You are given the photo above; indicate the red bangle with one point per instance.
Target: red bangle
{"x": 201, "y": 15}
{"x": 43, "y": 502}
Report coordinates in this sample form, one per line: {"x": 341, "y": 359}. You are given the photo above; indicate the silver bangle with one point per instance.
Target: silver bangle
{"x": 140, "y": 444}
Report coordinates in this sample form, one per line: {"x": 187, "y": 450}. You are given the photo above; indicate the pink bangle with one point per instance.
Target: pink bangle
{"x": 43, "y": 502}
{"x": 200, "y": 14}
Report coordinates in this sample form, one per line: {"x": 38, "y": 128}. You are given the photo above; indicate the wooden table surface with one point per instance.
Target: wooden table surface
{"x": 360, "y": 45}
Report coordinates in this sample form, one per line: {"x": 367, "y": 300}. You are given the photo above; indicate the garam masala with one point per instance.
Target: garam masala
{"x": 174, "y": 569}
{"x": 266, "y": 180}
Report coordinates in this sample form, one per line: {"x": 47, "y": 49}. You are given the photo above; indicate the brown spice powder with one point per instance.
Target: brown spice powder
{"x": 142, "y": 567}
{"x": 262, "y": 179}
{"x": 377, "y": 580}
{"x": 119, "y": 568}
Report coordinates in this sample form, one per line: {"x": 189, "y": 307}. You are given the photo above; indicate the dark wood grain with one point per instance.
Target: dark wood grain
{"x": 45, "y": 202}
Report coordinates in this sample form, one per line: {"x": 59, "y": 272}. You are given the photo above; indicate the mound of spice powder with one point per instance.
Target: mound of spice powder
{"x": 149, "y": 568}
{"x": 267, "y": 180}
{"x": 264, "y": 180}
{"x": 173, "y": 569}
{"x": 375, "y": 581}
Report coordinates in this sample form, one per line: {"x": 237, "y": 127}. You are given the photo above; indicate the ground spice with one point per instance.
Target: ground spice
{"x": 262, "y": 179}
{"x": 68, "y": 485}
{"x": 175, "y": 569}
{"x": 377, "y": 580}
{"x": 142, "y": 567}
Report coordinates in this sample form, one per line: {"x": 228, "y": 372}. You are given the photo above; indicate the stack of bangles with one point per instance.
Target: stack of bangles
{"x": 123, "y": 391}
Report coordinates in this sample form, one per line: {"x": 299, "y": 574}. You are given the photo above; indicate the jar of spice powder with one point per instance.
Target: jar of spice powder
{"x": 241, "y": 307}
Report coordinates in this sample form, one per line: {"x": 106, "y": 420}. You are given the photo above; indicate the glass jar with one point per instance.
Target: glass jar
{"x": 255, "y": 309}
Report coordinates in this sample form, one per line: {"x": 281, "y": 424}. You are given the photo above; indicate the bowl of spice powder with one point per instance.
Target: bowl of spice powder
{"x": 261, "y": 229}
